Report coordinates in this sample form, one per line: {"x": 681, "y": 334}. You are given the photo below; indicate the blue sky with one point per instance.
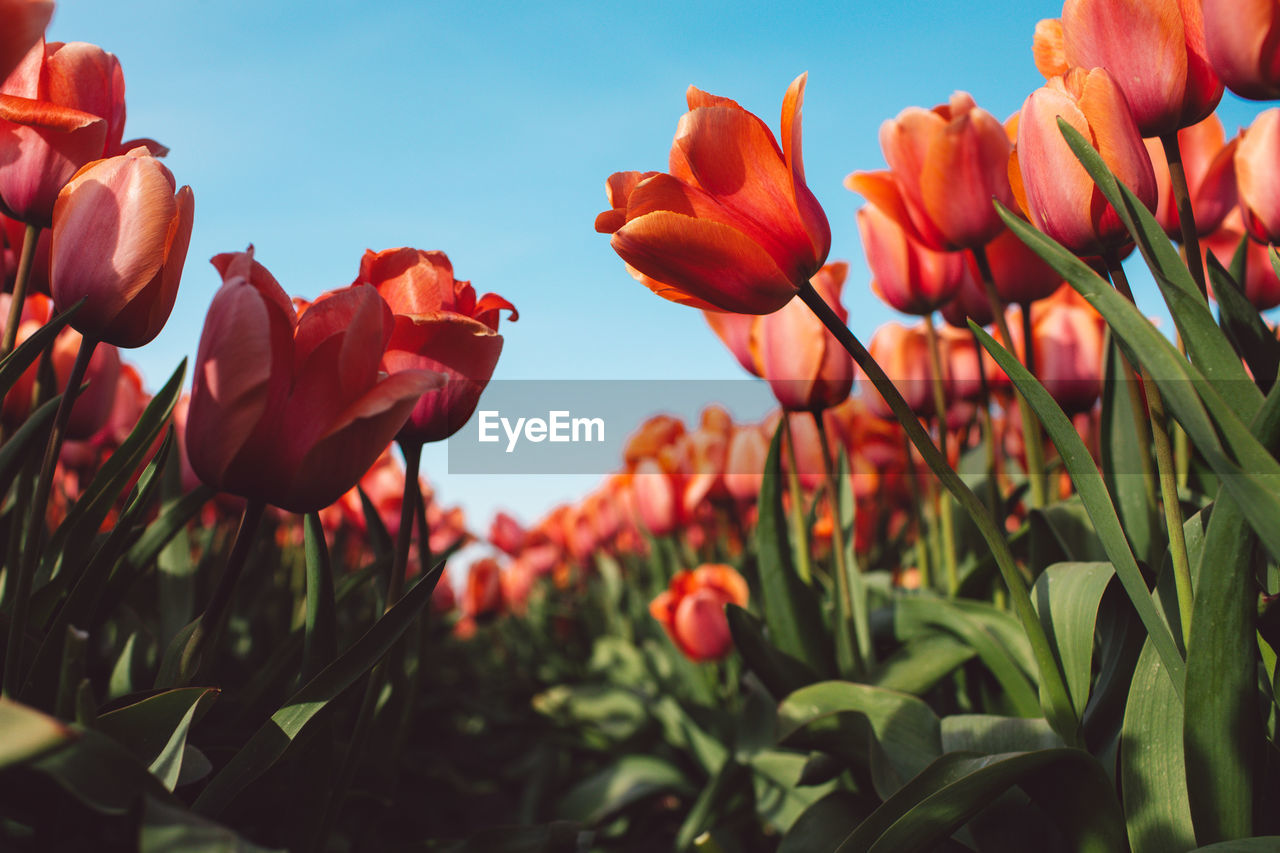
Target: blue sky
{"x": 316, "y": 130}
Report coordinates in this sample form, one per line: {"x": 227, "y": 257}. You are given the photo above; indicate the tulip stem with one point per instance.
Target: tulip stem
{"x": 1186, "y": 219}
{"x": 209, "y": 628}
{"x": 940, "y": 414}
{"x": 1166, "y": 471}
{"x": 988, "y": 431}
{"x": 412, "y": 451}
{"x": 1033, "y": 449}
{"x": 1053, "y": 684}
{"x": 917, "y": 503}
{"x": 36, "y": 518}
{"x": 30, "y": 238}
{"x": 799, "y": 535}
{"x": 851, "y": 595}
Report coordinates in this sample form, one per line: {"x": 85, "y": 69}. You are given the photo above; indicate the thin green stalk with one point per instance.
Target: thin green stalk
{"x": 30, "y": 238}
{"x": 851, "y": 597}
{"x": 400, "y": 562}
{"x": 1061, "y": 714}
{"x": 799, "y": 533}
{"x": 1165, "y": 469}
{"x": 988, "y": 433}
{"x": 940, "y": 414}
{"x": 1186, "y": 218}
{"x": 922, "y": 535}
{"x": 1031, "y": 441}
{"x": 36, "y": 518}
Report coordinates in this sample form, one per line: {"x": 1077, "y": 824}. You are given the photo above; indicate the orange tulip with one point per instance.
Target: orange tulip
{"x": 656, "y": 497}
{"x": 805, "y": 365}
{"x": 1261, "y": 286}
{"x": 440, "y": 326}
{"x": 945, "y": 167}
{"x": 483, "y": 593}
{"x": 1209, "y": 162}
{"x": 691, "y": 610}
{"x": 1052, "y": 186}
{"x": 1258, "y": 176}
{"x": 62, "y": 107}
{"x": 120, "y": 239}
{"x": 903, "y": 353}
{"x": 1068, "y": 336}
{"x": 969, "y": 303}
{"x": 907, "y": 275}
{"x": 506, "y": 534}
{"x": 733, "y": 226}
{"x": 744, "y": 463}
{"x": 22, "y": 23}
{"x": 735, "y": 332}
{"x": 1155, "y": 52}
{"x": 1048, "y": 49}
{"x": 287, "y": 410}
{"x": 1241, "y": 39}
{"x": 1020, "y": 275}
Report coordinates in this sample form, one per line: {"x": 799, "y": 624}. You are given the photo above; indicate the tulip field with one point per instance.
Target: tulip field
{"x": 1005, "y": 576}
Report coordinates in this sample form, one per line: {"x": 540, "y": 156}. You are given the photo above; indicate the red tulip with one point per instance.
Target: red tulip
{"x": 1241, "y": 39}
{"x": 507, "y": 534}
{"x": 293, "y": 411}
{"x": 1052, "y": 186}
{"x": 1154, "y": 50}
{"x": 1020, "y": 275}
{"x": 120, "y": 239}
{"x": 22, "y": 23}
{"x": 1209, "y": 163}
{"x": 691, "y": 610}
{"x": 656, "y": 500}
{"x": 1068, "y": 336}
{"x": 805, "y": 365}
{"x": 733, "y": 226}
{"x": 903, "y": 353}
{"x": 61, "y": 108}
{"x": 908, "y": 276}
{"x": 735, "y": 331}
{"x": 440, "y": 326}
{"x": 945, "y": 167}
{"x": 483, "y": 593}
{"x": 1261, "y": 286}
{"x": 744, "y": 463}
{"x": 1258, "y": 176}
{"x": 969, "y": 303}
{"x": 14, "y": 236}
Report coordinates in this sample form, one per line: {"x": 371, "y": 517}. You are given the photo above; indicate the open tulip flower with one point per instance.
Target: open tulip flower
{"x": 292, "y": 411}
{"x": 691, "y": 610}
{"x": 1241, "y": 40}
{"x": 440, "y": 326}
{"x": 906, "y": 274}
{"x": 732, "y": 226}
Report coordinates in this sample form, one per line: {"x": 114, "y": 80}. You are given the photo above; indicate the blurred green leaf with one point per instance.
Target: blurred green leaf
{"x": 320, "y": 635}
{"x": 707, "y": 808}
{"x": 624, "y": 782}
{"x": 1068, "y": 523}
{"x": 1261, "y": 844}
{"x": 990, "y": 734}
{"x": 99, "y": 773}
{"x": 28, "y": 733}
{"x": 13, "y": 365}
{"x": 155, "y": 728}
{"x": 169, "y": 829}
{"x": 780, "y": 801}
{"x": 25, "y": 441}
{"x": 779, "y": 672}
{"x": 1126, "y": 456}
{"x": 173, "y": 516}
{"x": 824, "y": 824}
{"x": 1244, "y": 327}
{"x": 922, "y": 662}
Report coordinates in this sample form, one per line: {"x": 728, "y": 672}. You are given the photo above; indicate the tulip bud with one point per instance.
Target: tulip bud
{"x": 1240, "y": 37}
{"x": 1258, "y": 176}
{"x": 691, "y": 610}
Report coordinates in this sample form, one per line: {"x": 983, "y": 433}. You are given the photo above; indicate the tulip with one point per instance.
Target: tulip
{"x": 1048, "y": 48}
{"x": 655, "y": 437}
{"x": 655, "y": 492}
{"x": 1209, "y": 163}
{"x": 903, "y": 353}
{"x": 120, "y": 239}
{"x": 506, "y": 534}
{"x": 1241, "y": 40}
{"x": 945, "y": 167}
{"x": 691, "y": 610}
{"x": 22, "y": 23}
{"x": 969, "y": 303}
{"x": 287, "y": 410}
{"x": 1020, "y": 275}
{"x": 483, "y": 593}
{"x": 1258, "y": 176}
{"x": 1261, "y": 285}
{"x": 61, "y": 108}
{"x": 805, "y": 365}
{"x": 1068, "y": 336}
{"x": 440, "y": 326}
{"x": 905, "y": 274}
{"x": 1052, "y": 186}
{"x": 744, "y": 463}
{"x": 735, "y": 331}
{"x": 733, "y": 226}
{"x": 1155, "y": 52}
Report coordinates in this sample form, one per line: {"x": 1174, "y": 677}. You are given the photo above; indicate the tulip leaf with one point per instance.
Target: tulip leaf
{"x": 320, "y": 637}
{"x": 1093, "y": 492}
{"x": 1068, "y": 784}
{"x": 155, "y": 728}
{"x": 1241, "y": 322}
{"x": 779, "y": 672}
{"x": 13, "y": 365}
{"x": 174, "y": 515}
{"x": 790, "y": 605}
{"x": 166, "y": 829}
{"x": 1067, "y": 598}
{"x": 270, "y": 741}
{"x": 711, "y": 802}
{"x": 824, "y": 824}
{"x": 25, "y": 441}
{"x": 990, "y": 734}
{"x": 922, "y": 662}
{"x": 28, "y": 733}
{"x": 1258, "y": 844}
{"x": 1125, "y": 451}
{"x": 99, "y": 773}
{"x": 780, "y": 800}
{"x": 857, "y": 583}
{"x": 628, "y": 780}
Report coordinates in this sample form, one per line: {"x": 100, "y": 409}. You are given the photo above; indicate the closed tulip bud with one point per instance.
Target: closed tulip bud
{"x": 903, "y": 353}
{"x": 656, "y": 499}
{"x": 287, "y": 410}
{"x": 1052, "y": 186}
{"x": 1209, "y": 163}
{"x": 907, "y": 275}
{"x": 735, "y": 331}
{"x": 1154, "y": 50}
{"x": 1261, "y": 286}
{"x": 483, "y": 593}
{"x": 120, "y": 239}
{"x": 945, "y": 167}
{"x": 1020, "y": 275}
{"x": 1258, "y": 176}
{"x": 969, "y": 303}
{"x": 1241, "y": 37}
{"x": 805, "y": 365}
{"x": 1068, "y": 336}
{"x": 732, "y": 226}
{"x": 506, "y": 534}
{"x": 22, "y": 23}
{"x": 744, "y": 464}
{"x": 691, "y": 610}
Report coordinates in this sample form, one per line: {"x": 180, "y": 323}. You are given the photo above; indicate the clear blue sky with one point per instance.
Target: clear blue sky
{"x": 316, "y": 130}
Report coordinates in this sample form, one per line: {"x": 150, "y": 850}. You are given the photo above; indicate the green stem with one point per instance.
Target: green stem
{"x": 799, "y": 534}
{"x": 1186, "y": 219}
{"x": 1062, "y": 714}
{"x": 1166, "y": 470}
{"x": 851, "y": 597}
{"x": 988, "y": 431}
{"x": 940, "y": 414}
{"x": 400, "y": 562}
{"x": 31, "y": 237}
{"x": 917, "y": 503}
{"x": 1031, "y": 441}
{"x": 36, "y": 518}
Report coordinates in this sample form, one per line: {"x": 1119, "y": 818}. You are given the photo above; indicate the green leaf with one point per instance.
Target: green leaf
{"x": 174, "y": 516}
{"x": 778, "y": 671}
{"x": 1093, "y": 492}
{"x": 100, "y": 773}
{"x": 1241, "y": 322}
{"x": 320, "y": 639}
{"x": 1152, "y": 773}
{"x": 1067, "y": 597}
{"x": 990, "y": 734}
{"x": 1067, "y": 783}
{"x": 922, "y": 662}
{"x": 271, "y": 740}
{"x": 628, "y": 780}
{"x": 155, "y": 728}
{"x": 616, "y": 713}
{"x": 824, "y": 824}
{"x": 1261, "y": 844}
{"x": 1126, "y": 458}
{"x": 28, "y": 733}
{"x": 707, "y": 809}
{"x": 1067, "y": 522}
{"x": 26, "y": 441}
{"x": 169, "y": 829}
{"x": 780, "y": 800}
{"x": 790, "y": 606}
{"x": 13, "y": 365}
